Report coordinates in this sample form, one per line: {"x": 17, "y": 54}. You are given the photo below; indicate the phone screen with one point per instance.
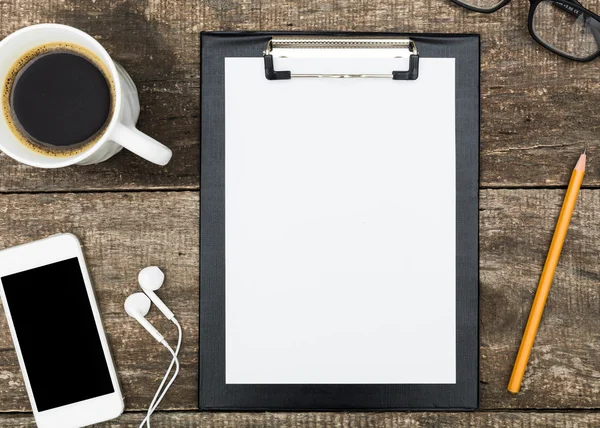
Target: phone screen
{"x": 57, "y": 333}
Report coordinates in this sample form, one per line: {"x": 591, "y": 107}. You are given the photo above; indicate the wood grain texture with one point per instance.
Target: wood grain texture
{"x": 538, "y": 110}
{"x": 124, "y": 232}
{"x": 516, "y": 228}
{"x": 342, "y": 420}
{"x": 121, "y": 234}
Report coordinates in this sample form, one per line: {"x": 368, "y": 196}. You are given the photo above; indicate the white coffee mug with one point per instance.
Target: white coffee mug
{"x": 120, "y": 131}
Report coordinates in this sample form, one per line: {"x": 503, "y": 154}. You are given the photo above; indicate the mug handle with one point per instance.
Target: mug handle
{"x": 141, "y": 144}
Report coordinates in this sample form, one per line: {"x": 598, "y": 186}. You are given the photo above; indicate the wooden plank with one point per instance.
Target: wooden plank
{"x": 121, "y": 233}
{"x": 535, "y": 106}
{"x": 515, "y": 232}
{"x": 346, "y": 420}
{"x": 158, "y": 43}
{"x": 124, "y": 232}
{"x": 372, "y": 420}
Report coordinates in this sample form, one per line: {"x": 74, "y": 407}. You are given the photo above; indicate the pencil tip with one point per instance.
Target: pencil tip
{"x": 581, "y": 162}
{"x": 585, "y": 150}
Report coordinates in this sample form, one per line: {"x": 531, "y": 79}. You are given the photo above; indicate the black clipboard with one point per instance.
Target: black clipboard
{"x": 214, "y": 392}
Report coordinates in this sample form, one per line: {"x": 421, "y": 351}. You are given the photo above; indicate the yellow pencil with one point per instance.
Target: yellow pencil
{"x": 543, "y": 289}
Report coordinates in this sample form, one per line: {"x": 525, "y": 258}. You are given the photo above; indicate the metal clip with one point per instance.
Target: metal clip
{"x": 341, "y": 47}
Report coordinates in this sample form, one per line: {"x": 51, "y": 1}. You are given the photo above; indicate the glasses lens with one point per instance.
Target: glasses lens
{"x": 481, "y": 4}
{"x": 566, "y": 29}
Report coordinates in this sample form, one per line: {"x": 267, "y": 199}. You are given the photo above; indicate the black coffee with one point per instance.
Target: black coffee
{"x": 59, "y": 99}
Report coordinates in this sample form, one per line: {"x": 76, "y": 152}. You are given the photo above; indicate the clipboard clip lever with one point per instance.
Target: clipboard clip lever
{"x": 340, "y": 47}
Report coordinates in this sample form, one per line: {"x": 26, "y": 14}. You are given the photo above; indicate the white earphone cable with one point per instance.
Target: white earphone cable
{"x": 147, "y": 418}
{"x": 155, "y": 402}
{"x": 153, "y": 405}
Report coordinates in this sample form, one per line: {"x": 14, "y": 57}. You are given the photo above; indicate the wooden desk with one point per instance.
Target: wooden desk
{"x": 538, "y": 112}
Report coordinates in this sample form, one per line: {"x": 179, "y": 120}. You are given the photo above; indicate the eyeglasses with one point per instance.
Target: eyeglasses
{"x": 564, "y": 27}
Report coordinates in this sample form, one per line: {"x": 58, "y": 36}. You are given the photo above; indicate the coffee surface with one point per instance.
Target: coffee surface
{"x": 60, "y": 101}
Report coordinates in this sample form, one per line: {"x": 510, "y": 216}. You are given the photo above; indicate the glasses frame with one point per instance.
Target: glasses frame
{"x": 574, "y": 4}
{"x": 482, "y": 10}
{"x": 569, "y": 3}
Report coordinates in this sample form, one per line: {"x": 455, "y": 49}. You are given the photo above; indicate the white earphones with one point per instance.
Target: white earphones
{"x": 151, "y": 279}
{"x": 137, "y": 306}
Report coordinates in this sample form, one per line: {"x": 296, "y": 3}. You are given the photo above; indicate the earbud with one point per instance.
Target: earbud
{"x": 151, "y": 279}
{"x": 137, "y": 306}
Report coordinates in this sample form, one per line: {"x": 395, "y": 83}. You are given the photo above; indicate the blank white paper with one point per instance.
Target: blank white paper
{"x": 340, "y": 228}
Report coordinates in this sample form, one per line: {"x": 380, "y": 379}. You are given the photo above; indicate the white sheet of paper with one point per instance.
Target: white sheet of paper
{"x": 340, "y": 228}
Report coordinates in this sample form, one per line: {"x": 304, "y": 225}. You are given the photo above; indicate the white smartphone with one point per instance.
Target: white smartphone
{"x": 57, "y": 332}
